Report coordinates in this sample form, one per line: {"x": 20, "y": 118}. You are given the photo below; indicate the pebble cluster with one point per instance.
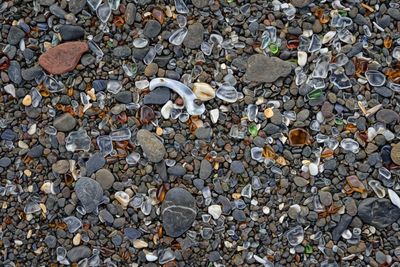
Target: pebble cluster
{"x": 199, "y": 133}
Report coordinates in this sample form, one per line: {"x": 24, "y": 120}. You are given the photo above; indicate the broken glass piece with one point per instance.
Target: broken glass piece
{"x": 375, "y": 78}
{"x": 121, "y": 134}
{"x": 133, "y": 158}
{"x": 52, "y": 84}
{"x": 246, "y": 191}
{"x": 78, "y": 140}
{"x": 349, "y": 144}
{"x": 340, "y": 80}
{"x": 315, "y": 44}
{"x": 94, "y": 4}
{"x": 189, "y": 98}
{"x": 178, "y": 36}
{"x": 105, "y": 144}
{"x": 252, "y": 111}
{"x": 36, "y": 97}
{"x": 151, "y": 54}
{"x": 227, "y": 93}
{"x": 295, "y": 235}
{"x": 181, "y": 7}
{"x": 73, "y": 224}
{"x": 103, "y": 12}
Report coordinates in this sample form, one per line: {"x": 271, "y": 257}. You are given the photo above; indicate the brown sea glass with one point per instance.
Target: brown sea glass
{"x": 387, "y": 42}
{"x": 158, "y": 15}
{"x": 293, "y": 44}
{"x": 146, "y": 114}
{"x": 355, "y": 185}
{"x": 268, "y": 152}
{"x": 299, "y": 137}
{"x": 361, "y": 65}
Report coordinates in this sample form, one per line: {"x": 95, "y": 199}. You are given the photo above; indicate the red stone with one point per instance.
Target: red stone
{"x": 63, "y": 58}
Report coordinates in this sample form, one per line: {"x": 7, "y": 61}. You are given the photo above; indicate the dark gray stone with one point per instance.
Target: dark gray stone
{"x": 152, "y": 147}
{"x": 122, "y": 51}
{"x": 77, "y": 253}
{"x": 5, "y": 162}
{"x": 76, "y": 6}
{"x": 71, "y": 32}
{"x": 36, "y": 151}
{"x": 124, "y": 97}
{"x": 194, "y": 37}
{"x": 158, "y": 96}
{"x": 177, "y": 170}
{"x": 89, "y": 192}
{"x": 95, "y": 163}
{"x": 205, "y": 169}
{"x": 14, "y": 72}
{"x": 378, "y": 212}
{"x": 261, "y": 68}
{"x": 152, "y": 28}
{"x": 15, "y": 35}
{"x": 237, "y": 167}
{"x": 178, "y": 212}
{"x": 65, "y": 122}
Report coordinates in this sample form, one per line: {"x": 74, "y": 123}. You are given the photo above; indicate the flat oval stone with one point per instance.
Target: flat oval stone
{"x": 71, "y": 32}
{"x": 89, "y": 192}
{"x": 261, "y": 68}
{"x": 63, "y": 58}
{"x": 151, "y": 145}
{"x": 178, "y": 211}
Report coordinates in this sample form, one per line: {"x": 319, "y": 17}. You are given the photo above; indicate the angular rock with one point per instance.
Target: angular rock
{"x": 378, "y": 212}
{"x": 158, "y": 96}
{"x": 261, "y": 68}
{"x": 343, "y": 224}
{"x": 205, "y": 169}
{"x": 15, "y": 35}
{"x": 64, "y": 123}
{"x": 62, "y": 166}
{"x": 89, "y": 193}
{"x": 152, "y": 147}
{"x": 178, "y": 212}
{"x": 194, "y": 37}
{"x": 14, "y": 72}
{"x": 63, "y": 58}
{"x": 95, "y": 163}
{"x": 71, "y": 32}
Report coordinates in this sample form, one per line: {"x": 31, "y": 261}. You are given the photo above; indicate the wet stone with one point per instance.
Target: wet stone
{"x": 30, "y": 73}
{"x": 5, "y": 162}
{"x": 132, "y": 233}
{"x": 122, "y": 51}
{"x": 51, "y": 241}
{"x": 78, "y": 253}
{"x": 36, "y": 151}
{"x": 76, "y": 6}
{"x": 200, "y": 3}
{"x": 343, "y": 224}
{"x": 61, "y": 166}
{"x": 89, "y": 192}
{"x": 158, "y": 96}
{"x": 65, "y": 123}
{"x": 205, "y": 169}
{"x": 152, "y": 147}
{"x": 14, "y": 72}
{"x": 387, "y": 116}
{"x": 378, "y": 212}
{"x": 176, "y": 170}
{"x": 194, "y": 37}
{"x": 178, "y": 212}
{"x": 124, "y": 97}
{"x": 237, "y": 167}
{"x": 8, "y": 135}
{"x": 95, "y": 163}
{"x": 15, "y": 35}
{"x": 105, "y": 178}
{"x": 71, "y": 32}
{"x": 261, "y": 68}
{"x": 130, "y": 14}
{"x": 152, "y": 28}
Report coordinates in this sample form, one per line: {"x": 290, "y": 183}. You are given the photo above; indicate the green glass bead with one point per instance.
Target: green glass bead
{"x": 338, "y": 121}
{"x": 253, "y": 129}
{"x": 274, "y": 48}
{"x": 314, "y": 94}
{"x": 308, "y": 249}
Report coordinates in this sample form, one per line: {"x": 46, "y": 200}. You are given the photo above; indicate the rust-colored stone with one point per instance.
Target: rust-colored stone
{"x": 63, "y": 58}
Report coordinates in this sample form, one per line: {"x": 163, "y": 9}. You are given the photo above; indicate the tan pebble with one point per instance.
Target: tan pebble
{"x": 139, "y": 244}
{"x": 236, "y": 195}
{"x": 27, "y": 101}
{"x": 29, "y": 234}
{"x": 28, "y": 173}
{"x": 159, "y": 131}
{"x": 22, "y": 144}
{"x": 268, "y": 113}
{"x": 77, "y": 239}
{"x": 203, "y": 91}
